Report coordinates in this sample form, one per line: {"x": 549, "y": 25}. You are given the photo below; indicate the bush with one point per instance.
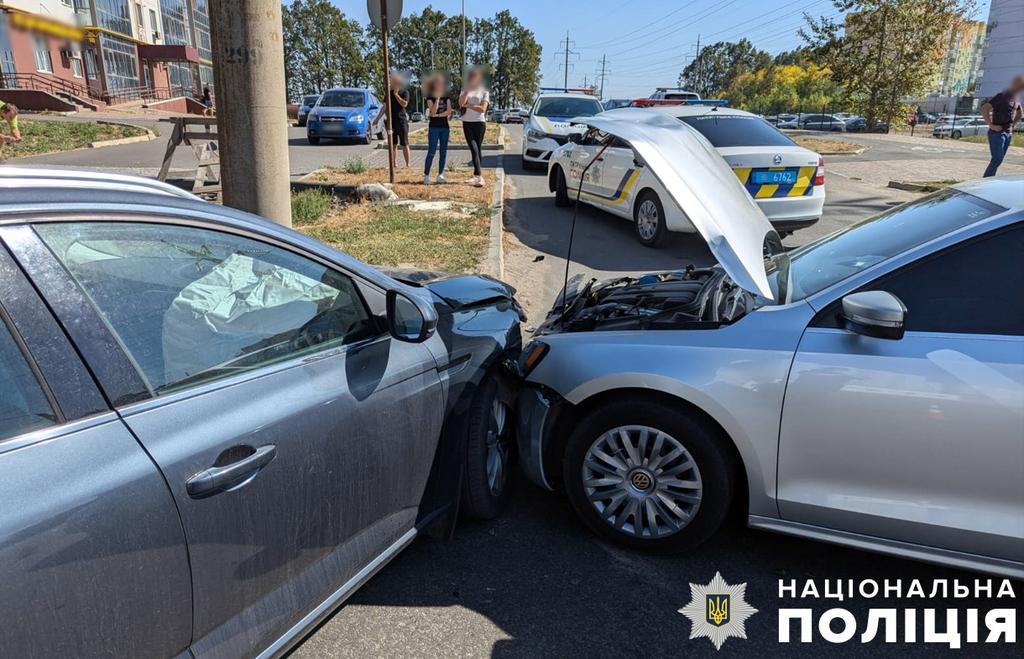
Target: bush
{"x": 308, "y": 206}
{"x": 355, "y": 165}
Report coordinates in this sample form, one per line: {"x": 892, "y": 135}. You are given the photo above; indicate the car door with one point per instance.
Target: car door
{"x": 617, "y": 172}
{"x": 295, "y": 435}
{"x": 582, "y": 163}
{"x": 92, "y": 555}
{"x": 919, "y": 439}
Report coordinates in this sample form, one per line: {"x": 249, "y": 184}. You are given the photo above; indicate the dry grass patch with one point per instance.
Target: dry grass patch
{"x": 409, "y": 183}
{"x": 387, "y": 235}
{"x": 419, "y": 136}
{"x": 828, "y": 146}
{"x": 41, "y": 137}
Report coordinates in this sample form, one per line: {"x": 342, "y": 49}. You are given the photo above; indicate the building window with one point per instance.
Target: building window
{"x": 201, "y": 21}
{"x": 176, "y": 22}
{"x": 154, "y": 25}
{"x": 114, "y": 15}
{"x": 180, "y": 78}
{"x": 140, "y": 18}
{"x": 42, "y": 53}
{"x": 120, "y": 66}
{"x": 76, "y": 67}
{"x": 7, "y": 70}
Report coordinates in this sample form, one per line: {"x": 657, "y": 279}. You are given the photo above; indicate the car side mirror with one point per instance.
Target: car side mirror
{"x": 575, "y": 138}
{"x": 406, "y": 322}
{"x": 878, "y": 314}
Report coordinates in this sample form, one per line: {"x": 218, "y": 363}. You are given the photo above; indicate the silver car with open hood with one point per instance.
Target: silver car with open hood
{"x": 865, "y": 389}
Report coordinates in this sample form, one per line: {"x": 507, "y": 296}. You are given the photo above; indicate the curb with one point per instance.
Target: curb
{"x": 914, "y": 187}
{"x": 150, "y": 135}
{"x": 451, "y": 147}
{"x": 856, "y": 152}
{"x": 495, "y": 243}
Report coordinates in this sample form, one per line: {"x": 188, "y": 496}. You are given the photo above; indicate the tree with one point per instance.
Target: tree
{"x": 322, "y": 48}
{"x": 886, "y": 50}
{"x": 788, "y": 88}
{"x": 716, "y": 65}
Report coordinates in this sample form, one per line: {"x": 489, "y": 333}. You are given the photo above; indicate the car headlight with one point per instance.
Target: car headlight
{"x": 356, "y": 118}
{"x": 532, "y": 134}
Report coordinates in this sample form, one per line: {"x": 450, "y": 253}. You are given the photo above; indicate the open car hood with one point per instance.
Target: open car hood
{"x": 703, "y": 185}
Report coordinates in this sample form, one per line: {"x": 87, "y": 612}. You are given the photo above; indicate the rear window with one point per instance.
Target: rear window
{"x": 567, "y": 107}
{"x": 343, "y": 99}
{"x": 310, "y": 100}
{"x": 737, "y": 130}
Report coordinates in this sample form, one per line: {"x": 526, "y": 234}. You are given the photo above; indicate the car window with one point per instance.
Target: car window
{"x": 973, "y": 288}
{"x": 816, "y": 266}
{"x": 342, "y": 99}
{"x": 567, "y": 107}
{"x": 23, "y": 404}
{"x": 310, "y": 100}
{"x": 191, "y": 305}
{"x": 737, "y": 130}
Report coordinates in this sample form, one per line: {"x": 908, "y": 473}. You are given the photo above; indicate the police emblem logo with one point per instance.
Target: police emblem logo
{"x": 717, "y": 611}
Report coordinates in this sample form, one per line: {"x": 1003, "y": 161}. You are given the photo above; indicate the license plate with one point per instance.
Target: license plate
{"x": 782, "y": 177}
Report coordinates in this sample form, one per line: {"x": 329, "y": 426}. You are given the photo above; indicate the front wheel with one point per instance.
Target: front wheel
{"x": 649, "y": 219}
{"x": 489, "y": 453}
{"x": 368, "y": 137}
{"x": 648, "y": 476}
{"x": 957, "y": 134}
{"x": 561, "y": 189}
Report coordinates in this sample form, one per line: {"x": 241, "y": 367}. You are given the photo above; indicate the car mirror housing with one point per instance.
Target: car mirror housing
{"x": 406, "y": 321}
{"x": 877, "y": 314}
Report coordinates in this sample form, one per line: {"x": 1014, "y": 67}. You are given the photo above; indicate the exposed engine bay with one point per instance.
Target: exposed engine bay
{"x": 693, "y": 298}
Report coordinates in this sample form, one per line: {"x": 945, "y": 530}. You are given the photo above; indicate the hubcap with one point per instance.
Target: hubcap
{"x": 642, "y": 481}
{"x": 498, "y": 448}
{"x": 647, "y": 219}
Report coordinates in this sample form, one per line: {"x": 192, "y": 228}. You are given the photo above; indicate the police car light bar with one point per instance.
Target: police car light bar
{"x": 570, "y": 90}
{"x": 650, "y": 102}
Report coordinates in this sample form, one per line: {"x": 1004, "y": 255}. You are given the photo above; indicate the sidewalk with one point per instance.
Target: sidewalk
{"x": 878, "y": 173}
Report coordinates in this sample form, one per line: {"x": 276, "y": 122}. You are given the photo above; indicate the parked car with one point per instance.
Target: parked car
{"x": 346, "y": 113}
{"x": 926, "y": 118}
{"x": 960, "y": 128}
{"x": 821, "y": 390}
{"x": 549, "y": 127}
{"x": 213, "y": 429}
{"x": 498, "y": 115}
{"x": 786, "y": 181}
{"x": 674, "y": 94}
{"x": 516, "y": 116}
{"x": 615, "y": 103}
{"x": 815, "y": 122}
{"x": 844, "y": 116}
{"x": 307, "y": 104}
{"x": 860, "y": 125}
{"x": 417, "y": 116}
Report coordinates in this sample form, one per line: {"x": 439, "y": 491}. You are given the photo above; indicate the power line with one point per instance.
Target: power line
{"x": 567, "y": 52}
{"x": 675, "y": 26}
{"x": 639, "y": 29}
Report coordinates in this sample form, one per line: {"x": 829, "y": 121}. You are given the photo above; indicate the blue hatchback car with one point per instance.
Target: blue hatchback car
{"x": 344, "y": 113}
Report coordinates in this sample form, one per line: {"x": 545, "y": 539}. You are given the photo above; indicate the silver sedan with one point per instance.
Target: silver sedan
{"x": 866, "y": 389}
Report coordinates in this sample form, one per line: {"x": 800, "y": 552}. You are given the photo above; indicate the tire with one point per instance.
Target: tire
{"x": 561, "y": 189}
{"x": 646, "y": 205}
{"x": 368, "y": 137}
{"x": 489, "y": 453}
{"x": 957, "y": 135}
{"x": 713, "y": 472}
{"x": 313, "y": 140}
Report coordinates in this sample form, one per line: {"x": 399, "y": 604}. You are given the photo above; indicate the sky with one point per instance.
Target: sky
{"x": 646, "y": 42}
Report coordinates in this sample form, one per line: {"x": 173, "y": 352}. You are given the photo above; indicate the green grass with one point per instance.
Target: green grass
{"x": 1016, "y": 140}
{"x": 308, "y": 206}
{"x": 391, "y": 236}
{"x": 39, "y": 137}
{"x": 356, "y": 165}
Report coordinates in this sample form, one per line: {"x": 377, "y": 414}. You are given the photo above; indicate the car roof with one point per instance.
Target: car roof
{"x": 694, "y": 110}
{"x": 46, "y": 178}
{"x": 1002, "y": 190}
{"x": 344, "y": 89}
{"x": 566, "y": 95}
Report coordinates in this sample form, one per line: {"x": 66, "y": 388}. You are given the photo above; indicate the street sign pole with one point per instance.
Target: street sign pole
{"x": 387, "y": 85}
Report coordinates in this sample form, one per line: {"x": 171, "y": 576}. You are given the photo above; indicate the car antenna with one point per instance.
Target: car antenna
{"x": 572, "y": 231}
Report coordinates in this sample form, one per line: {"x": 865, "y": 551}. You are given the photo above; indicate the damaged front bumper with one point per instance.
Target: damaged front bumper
{"x": 534, "y": 416}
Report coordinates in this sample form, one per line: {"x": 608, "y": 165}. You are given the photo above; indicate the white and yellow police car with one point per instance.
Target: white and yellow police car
{"x": 786, "y": 180}
{"x": 548, "y": 127}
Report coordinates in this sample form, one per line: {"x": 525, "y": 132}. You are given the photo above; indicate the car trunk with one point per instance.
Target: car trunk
{"x": 773, "y": 171}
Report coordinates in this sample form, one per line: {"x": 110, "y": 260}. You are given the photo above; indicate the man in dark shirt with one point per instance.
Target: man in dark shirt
{"x": 399, "y": 118}
{"x": 1001, "y": 112}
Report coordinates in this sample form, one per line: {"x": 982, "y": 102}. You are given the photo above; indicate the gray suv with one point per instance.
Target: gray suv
{"x": 214, "y": 429}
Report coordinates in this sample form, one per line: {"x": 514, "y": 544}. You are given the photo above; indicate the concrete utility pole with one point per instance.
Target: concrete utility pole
{"x": 252, "y": 116}
{"x": 604, "y": 61}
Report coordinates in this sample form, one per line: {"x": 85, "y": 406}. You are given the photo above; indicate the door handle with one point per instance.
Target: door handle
{"x": 221, "y": 478}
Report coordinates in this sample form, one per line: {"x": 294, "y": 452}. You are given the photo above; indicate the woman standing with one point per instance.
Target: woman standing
{"x": 439, "y": 110}
{"x": 474, "y": 100}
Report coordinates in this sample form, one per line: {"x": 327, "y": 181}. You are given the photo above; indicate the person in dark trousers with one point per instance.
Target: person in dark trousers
{"x": 399, "y": 118}
{"x": 207, "y": 102}
{"x": 1001, "y": 112}
{"x": 439, "y": 110}
{"x": 474, "y": 100}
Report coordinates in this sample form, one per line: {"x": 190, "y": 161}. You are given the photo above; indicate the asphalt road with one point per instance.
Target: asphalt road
{"x": 535, "y": 583}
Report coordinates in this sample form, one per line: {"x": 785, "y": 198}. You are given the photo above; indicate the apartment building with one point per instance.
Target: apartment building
{"x": 1003, "y": 56}
{"x": 111, "y": 51}
{"x": 961, "y": 59}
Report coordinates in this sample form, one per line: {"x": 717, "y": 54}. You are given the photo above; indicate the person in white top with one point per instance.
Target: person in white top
{"x": 474, "y": 100}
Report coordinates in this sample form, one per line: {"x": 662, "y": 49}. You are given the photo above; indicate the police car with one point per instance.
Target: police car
{"x": 548, "y": 128}
{"x": 786, "y": 180}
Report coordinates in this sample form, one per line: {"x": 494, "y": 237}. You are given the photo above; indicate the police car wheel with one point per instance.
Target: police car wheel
{"x": 649, "y": 218}
{"x": 648, "y": 476}
{"x": 561, "y": 189}
{"x": 313, "y": 140}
